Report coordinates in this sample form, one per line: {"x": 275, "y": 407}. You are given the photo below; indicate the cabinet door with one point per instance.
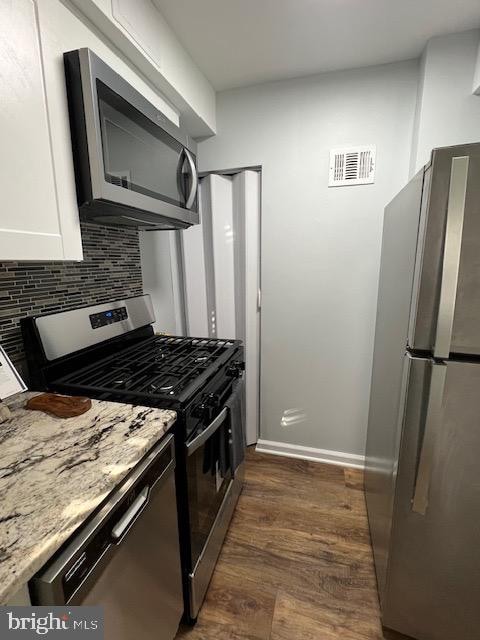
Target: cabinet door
{"x": 29, "y": 219}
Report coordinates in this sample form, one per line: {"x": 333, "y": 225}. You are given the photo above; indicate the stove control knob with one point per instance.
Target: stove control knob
{"x": 210, "y": 402}
{"x": 213, "y": 400}
{"x": 201, "y": 411}
{"x": 235, "y": 369}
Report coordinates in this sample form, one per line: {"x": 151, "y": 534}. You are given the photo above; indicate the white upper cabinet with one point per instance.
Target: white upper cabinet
{"x": 32, "y": 223}
{"x": 138, "y": 29}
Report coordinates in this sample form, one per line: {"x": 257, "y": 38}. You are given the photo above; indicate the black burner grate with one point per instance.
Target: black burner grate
{"x": 160, "y": 367}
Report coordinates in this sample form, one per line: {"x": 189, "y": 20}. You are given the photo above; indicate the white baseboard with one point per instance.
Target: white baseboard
{"x": 326, "y": 456}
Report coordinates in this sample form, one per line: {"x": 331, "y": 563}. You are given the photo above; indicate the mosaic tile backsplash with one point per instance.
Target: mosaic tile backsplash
{"x": 110, "y": 269}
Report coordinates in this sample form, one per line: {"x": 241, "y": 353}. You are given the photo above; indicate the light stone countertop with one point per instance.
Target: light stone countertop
{"x": 54, "y": 472}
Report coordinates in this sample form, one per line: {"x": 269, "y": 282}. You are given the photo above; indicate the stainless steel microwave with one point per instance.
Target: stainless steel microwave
{"x": 133, "y": 166}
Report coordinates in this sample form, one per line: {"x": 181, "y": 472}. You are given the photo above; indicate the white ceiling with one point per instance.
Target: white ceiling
{"x": 241, "y": 42}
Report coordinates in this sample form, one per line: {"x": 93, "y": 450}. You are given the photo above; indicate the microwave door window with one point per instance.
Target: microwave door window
{"x": 138, "y": 154}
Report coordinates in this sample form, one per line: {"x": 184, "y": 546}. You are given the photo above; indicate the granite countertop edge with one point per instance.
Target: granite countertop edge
{"x": 55, "y": 472}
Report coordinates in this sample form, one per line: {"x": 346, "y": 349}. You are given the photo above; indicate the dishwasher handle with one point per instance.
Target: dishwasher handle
{"x": 131, "y": 514}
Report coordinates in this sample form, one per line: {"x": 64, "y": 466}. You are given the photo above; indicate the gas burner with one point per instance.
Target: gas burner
{"x": 160, "y": 367}
{"x": 121, "y": 383}
{"x": 121, "y": 378}
{"x": 161, "y": 388}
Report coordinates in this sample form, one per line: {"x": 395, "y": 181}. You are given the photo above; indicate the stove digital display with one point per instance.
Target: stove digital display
{"x": 111, "y": 316}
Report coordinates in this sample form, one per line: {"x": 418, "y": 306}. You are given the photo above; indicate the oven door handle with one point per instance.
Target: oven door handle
{"x": 207, "y": 432}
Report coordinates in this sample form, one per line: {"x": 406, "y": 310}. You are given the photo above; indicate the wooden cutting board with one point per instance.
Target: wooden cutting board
{"x": 60, "y": 406}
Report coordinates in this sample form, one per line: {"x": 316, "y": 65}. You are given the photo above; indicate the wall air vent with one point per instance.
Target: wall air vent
{"x": 352, "y": 165}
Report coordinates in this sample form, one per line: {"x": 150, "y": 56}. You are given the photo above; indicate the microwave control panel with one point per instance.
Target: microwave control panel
{"x": 111, "y": 316}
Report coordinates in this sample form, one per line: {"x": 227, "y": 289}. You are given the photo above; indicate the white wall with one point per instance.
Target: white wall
{"x": 447, "y": 112}
{"x": 320, "y": 246}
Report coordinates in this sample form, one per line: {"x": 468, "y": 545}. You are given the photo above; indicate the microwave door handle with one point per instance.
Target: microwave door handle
{"x": 194, "y": 187}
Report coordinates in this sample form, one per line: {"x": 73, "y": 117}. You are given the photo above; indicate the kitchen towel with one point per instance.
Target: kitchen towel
{"x": 236, "y": 407}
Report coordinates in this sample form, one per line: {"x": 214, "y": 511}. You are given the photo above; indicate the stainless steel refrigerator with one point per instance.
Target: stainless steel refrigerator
{"x": 423, "y": 445}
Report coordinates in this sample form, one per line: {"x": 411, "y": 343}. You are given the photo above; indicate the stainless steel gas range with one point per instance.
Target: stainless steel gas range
{"x": 110, "y": 352}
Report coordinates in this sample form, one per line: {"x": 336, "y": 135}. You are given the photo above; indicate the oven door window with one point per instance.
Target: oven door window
{"x": 209, "y": 475}
{"x": 138, "y": 154}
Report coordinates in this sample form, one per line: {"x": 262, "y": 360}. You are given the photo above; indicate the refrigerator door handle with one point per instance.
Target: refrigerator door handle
{"x": 432, "y": 422}
{"x": 451, "y": 256}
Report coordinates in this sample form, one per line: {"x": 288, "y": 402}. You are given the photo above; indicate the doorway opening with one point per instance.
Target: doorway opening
{"x": 221, "y": 271}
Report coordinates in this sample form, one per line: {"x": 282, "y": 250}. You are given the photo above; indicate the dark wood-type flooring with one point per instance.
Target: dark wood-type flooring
{"x": 297, "y": 562}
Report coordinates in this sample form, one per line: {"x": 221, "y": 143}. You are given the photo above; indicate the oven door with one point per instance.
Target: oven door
{"x": 212, "y": 494}
{"x": 209, "y": 477}
{"x": 131, "y": 162}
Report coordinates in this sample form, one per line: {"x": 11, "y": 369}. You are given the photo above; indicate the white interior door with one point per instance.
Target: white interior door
{"x": 221, "y": 195}
{"x": 221, "y": 259}
{"x": 246, "y": 192}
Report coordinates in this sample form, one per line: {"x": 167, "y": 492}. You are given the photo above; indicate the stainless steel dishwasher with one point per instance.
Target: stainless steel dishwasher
{"x": 126, "y": 558}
